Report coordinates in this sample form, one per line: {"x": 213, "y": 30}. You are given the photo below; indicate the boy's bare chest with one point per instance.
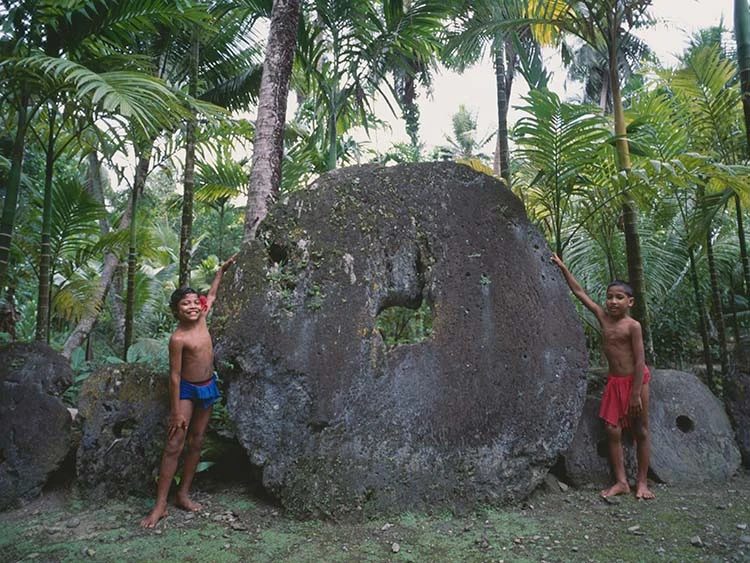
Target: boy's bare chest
{"x": 197, "y": 342}
{"x": 615, "y": 335}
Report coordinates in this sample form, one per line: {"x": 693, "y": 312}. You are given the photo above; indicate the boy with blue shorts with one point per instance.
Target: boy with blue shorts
{"x": 192, "y": 393}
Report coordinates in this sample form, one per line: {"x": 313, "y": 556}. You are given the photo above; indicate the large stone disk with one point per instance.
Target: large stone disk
{"x": 338, "y": 421}
{"x": 691, "y": 437}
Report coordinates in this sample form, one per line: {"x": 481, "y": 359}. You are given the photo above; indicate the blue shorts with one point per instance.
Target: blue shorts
{"x": 203, "y": 394}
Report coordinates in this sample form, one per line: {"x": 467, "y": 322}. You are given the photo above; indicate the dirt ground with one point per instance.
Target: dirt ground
{"x": 700, "y": 523}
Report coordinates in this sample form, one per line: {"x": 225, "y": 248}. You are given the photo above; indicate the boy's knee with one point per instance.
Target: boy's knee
{"x": 174, "y": 446}
{"x": 195, "y": 440}
{"x": 640, "y": 433}
{"x": 613, "y": 432}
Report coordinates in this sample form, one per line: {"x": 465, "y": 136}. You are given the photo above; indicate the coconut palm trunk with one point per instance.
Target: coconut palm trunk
{"x": 268, "y": 150}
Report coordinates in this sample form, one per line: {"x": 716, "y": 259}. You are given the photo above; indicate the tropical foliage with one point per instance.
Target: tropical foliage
{"x": 127, "y": 129}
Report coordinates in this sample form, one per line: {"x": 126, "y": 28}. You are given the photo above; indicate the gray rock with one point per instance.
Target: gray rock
{"x": 35, "y": 363}
{"x": 36, "y": 425}
{"x": 337, "y": 420}
{"x": 691, "y": 438}
{"x": 586, "y": 461}
{"x": 737, "y": 398}
{"x": 123, "y": 411}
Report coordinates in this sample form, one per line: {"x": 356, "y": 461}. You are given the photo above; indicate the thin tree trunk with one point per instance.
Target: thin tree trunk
{"x": 742, "y": 35}
{"x": 735, "y": 320}
{"x": 186, "y": 230}
{"x": 502, "y": 86}
{"x": 138, "y": 185}
{"x": 83, "y": 329}
{"x": 717, "y": 383}
{"x": 8, "y": 218}
{"x": 268, "y": 150}
{"x": 221, "y": 231}
{"x": 45, "y": 256}
{"x": 743, "y": 245}
{"x": 702, "y": 319}
{"x": 117, "y": 303}
{"x": 630, "y": 216}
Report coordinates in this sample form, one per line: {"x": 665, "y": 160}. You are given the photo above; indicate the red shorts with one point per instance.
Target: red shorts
{"x": 616, "y": 398}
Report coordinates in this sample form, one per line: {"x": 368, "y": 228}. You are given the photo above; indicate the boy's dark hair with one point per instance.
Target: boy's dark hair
{"x": 624, "y": 285}
{"x": 178, "y": 295}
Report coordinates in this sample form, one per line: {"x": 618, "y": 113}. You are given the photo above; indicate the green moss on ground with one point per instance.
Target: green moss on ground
{"x": 551, "y": 526}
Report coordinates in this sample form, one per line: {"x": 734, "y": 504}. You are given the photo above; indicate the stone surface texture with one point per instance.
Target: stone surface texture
{"x": 691, "y": 437}
{"x": 339, "y": 422}
{"x": 123, "y": 412}
{"x": 737, "y": 398}
{"x": 587, "y": 459}
{"x": 36, "y": 425}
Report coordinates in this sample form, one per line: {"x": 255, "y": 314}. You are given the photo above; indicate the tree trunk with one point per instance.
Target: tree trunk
{"x": 268, "y": 150}
{"x": 716, "y": 383}
{"x": 45, "y": 257}
{"x": 742, "y": 35}
{"x": 186, "y": 230}
{"x": 138, "y": 183}
{"x": 702, "y": 319}
{"x": 503, "y": 86}
{"x": 630, "y": 216}
{"x": 8, "y": 218}
{"x": 109, "y": 269}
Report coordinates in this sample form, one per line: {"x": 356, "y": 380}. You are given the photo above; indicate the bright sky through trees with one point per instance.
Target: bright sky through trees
{"x": 475, "y": 88}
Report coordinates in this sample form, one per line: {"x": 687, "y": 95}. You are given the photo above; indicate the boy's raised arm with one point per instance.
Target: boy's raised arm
{"x": 214, "y": 289}
{"x": 577, "y": 289}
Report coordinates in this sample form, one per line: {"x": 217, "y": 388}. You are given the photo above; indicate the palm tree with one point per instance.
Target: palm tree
{"x": 742, "y": 36}
{"x": 603, "y": 24}
{"x": 465, "y": 143}
{"x": 348, "y": 50}
{"x": 51, "y": 56}
{"x": 222, "y": 67}
{"x": 513, "y": 50}
{"x": 560, "y": 145}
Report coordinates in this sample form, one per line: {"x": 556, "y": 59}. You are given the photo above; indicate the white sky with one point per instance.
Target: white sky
{"x": 475, "y": 88}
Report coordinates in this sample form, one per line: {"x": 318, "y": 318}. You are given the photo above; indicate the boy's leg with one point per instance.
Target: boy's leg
{"x": 169, "y": 460}
{"x": 643, "y": 448}
{"x": 614, "y": 443}
{"x": 196, "y": 432}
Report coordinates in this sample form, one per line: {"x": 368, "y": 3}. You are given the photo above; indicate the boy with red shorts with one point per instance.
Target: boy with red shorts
{"x": 625, "y": 398}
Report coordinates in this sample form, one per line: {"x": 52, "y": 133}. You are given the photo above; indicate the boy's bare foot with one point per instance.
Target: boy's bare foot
{"x": 616, "y": 489}
{"x": 643, "y": 492}
{"x": 159, "y": 512}
{"x": 184, "y": 502}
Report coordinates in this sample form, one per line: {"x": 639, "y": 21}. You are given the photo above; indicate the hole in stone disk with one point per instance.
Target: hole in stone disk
{"x": 405, "y": 325}
{"x": 123, "y": 428}
{"x": 685, "y": 423}
{"x": 278, "y": 253}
